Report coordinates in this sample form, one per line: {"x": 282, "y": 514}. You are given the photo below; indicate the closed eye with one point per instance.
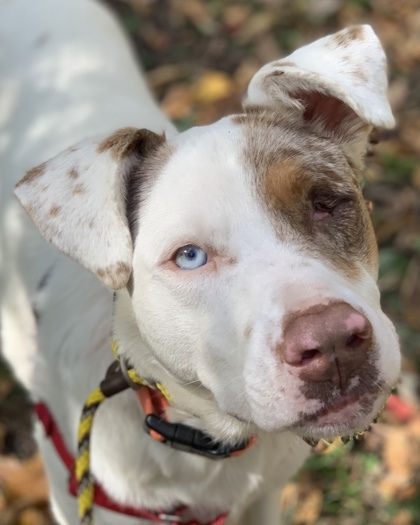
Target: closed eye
{"x": 322, "y": 211}
{"x": 328, "y": 207}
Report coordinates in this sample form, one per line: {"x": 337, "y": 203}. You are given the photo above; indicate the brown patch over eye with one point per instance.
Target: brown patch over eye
{"x": 284, "y": 184}
{"x": 311, "y": 193}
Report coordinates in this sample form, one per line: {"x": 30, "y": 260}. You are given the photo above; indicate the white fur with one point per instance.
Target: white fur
{"x": 68, "y": 75}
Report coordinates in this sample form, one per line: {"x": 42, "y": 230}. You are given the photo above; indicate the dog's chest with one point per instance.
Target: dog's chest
{"x": 145, "y": 473}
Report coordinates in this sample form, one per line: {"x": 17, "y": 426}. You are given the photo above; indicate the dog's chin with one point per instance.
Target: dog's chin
{"x": 345, "y": 416}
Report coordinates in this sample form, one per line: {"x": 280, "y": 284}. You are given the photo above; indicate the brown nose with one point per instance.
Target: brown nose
{"x": 327, "y": 342}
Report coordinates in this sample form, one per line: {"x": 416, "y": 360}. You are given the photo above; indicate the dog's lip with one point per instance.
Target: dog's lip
{"x": 341, "y": 402}
{"x": 335, "y": 409}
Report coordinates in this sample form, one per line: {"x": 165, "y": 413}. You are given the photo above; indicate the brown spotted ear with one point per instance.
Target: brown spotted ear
{"x": 78, "y": 201}
{"x": 337, "y": 85}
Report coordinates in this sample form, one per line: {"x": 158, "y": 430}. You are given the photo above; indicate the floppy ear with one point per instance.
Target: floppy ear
{"x": 337, "y": 84}
{"x": 78, "y": 201}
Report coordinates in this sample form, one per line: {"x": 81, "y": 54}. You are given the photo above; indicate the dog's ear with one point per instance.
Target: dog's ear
{"x": 337, "y": 85}
{"x": 78, "y": 201}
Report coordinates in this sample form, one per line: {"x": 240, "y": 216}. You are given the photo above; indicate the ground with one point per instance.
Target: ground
{"x": 199, "y": 56}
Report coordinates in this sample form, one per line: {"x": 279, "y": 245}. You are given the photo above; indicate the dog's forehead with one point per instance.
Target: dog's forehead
{"x": 206, "y": 171}
{"x": 252, "y": 144}
{"x": 240, "y": 182}
{"x": 205, "y": 192}
{"x": 252, "y": 157}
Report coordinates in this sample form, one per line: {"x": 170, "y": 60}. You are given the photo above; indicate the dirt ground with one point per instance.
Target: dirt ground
{"x": 199, "y": 56}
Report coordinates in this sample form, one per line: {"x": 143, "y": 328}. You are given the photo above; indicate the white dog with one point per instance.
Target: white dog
{"x": 241, "y": 256}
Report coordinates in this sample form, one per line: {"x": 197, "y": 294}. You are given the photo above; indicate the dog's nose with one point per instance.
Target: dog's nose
{"x": 327, "y": 342}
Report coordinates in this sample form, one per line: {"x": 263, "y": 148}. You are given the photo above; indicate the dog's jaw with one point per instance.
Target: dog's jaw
{"x": 191, "y": 402}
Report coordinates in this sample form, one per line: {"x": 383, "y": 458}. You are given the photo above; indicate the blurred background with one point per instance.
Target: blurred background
{"x": 199, "y": 56}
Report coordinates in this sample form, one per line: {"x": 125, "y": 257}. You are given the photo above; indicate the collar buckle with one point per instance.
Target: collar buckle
{"x": 189, "y": 439}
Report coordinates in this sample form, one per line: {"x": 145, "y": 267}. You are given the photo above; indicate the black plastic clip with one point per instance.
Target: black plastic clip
{"x": 189, "y": 439}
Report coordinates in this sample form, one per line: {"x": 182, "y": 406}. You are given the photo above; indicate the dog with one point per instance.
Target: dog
{"x": 234, "y": 264}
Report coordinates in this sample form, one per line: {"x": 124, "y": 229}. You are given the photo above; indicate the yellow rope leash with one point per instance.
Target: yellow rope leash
{"x": 85, "y": 483}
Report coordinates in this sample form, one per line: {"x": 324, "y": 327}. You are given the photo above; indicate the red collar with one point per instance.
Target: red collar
{"x": 101, "y": 498}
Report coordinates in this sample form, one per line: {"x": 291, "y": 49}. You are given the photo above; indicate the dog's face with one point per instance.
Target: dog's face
{"x": 246, "y": 245}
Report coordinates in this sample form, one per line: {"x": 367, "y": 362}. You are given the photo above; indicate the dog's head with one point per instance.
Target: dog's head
{"x": 246, "y": 246}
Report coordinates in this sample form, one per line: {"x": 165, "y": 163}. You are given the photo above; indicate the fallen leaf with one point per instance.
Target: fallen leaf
{"x": 309, "y": 509}
{"x": 289, "y": 497}
{"x": 403, "y": 517}
{"x": 235, "y": 16}
{"x": 213, "y": 86}
{"x": 178, "y": 102}
{"x": 34, "y": 516}
{"x": 24, "y": 480}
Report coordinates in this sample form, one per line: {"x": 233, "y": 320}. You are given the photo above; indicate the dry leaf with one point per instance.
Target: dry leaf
{"x": 178, "y": 102}
{"x": 213, "y": 86}
{"x": 403, "y": 517}
{"x": 23, "y": 480}
{"x": 235, "y": 16}
{"x": 289, "y": 497}
{"x": 310, "y": 508}
{"x": 34, "y": 516}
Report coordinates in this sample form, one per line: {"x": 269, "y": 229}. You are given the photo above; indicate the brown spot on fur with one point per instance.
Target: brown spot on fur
{"x": 284, "y": 63}
{"x": 240, "y": 119}
{"x": 33, "y": 174}
{"x": 54, "y": 211}
{"x": 91, "y": 224}
{"x": 73, "y": 173}
{"x": 79, "y": 189}
{"x": 345, "y": 38}
{"x": 360, "y": 74}
{"x": 130, "y": 141}
{"x": 116, "y": 275}
{"x": 248, "y": 332}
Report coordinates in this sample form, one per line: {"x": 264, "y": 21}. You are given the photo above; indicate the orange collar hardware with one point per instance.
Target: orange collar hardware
{"x": 176, "y": 435}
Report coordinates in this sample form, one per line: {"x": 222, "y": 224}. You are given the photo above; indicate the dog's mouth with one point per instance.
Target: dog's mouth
{"x": 345, "y": 416}
{"x": 339, "y": 409}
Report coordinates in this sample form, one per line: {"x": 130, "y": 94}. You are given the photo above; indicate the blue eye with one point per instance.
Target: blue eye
{"x": 190, "y": 257}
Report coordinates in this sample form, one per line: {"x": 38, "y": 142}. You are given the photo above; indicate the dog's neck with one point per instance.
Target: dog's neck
{"x": 191, "y": 403}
